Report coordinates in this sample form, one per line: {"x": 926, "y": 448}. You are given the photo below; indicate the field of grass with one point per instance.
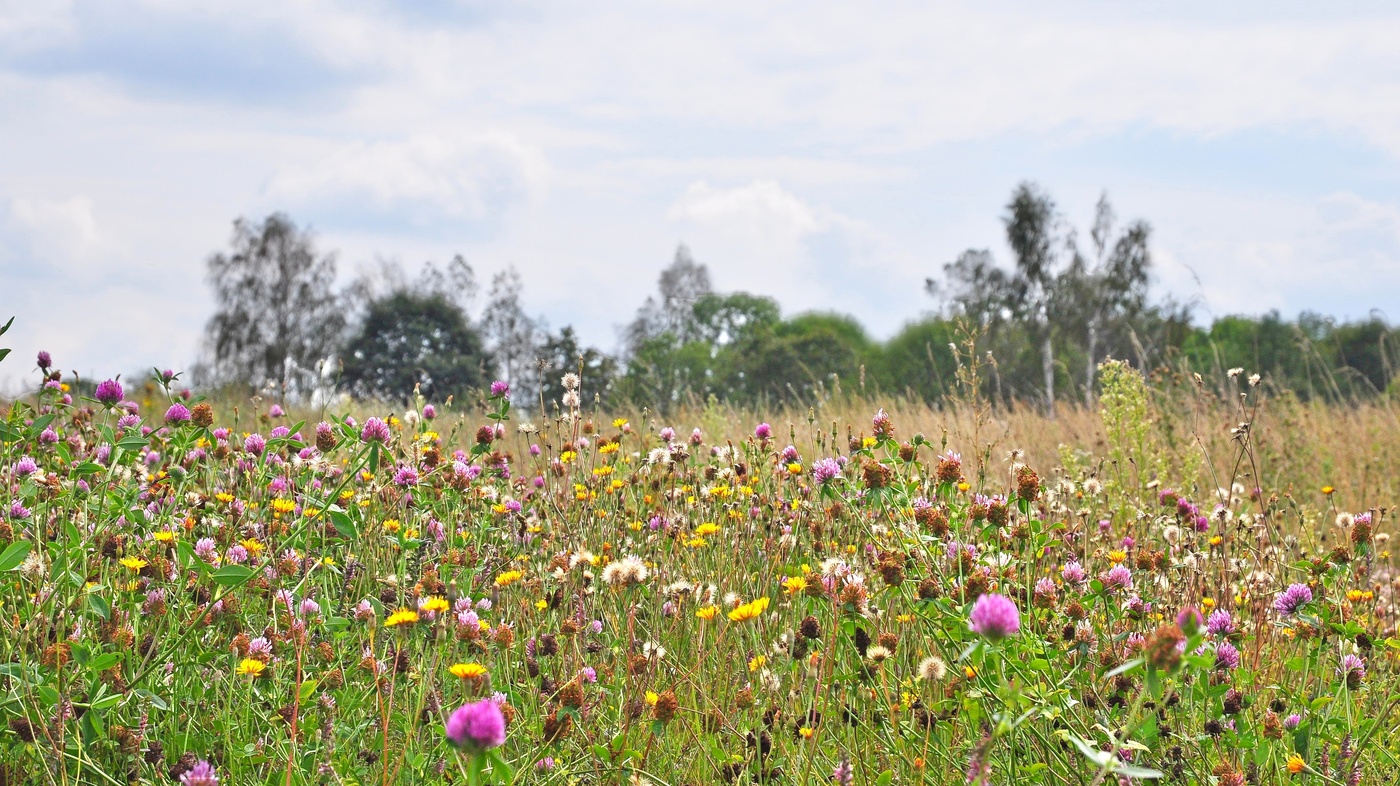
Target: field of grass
{"x": 1178, "y": 583}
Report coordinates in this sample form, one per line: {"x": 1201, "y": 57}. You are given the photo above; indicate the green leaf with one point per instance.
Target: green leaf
{"x": 104, "y": 661}
{"x": 87, "y": 468}
{"x": 11, "y": 557}
{"x": 131, "y": 443}
{"x": 308, "y": 688}
{"x": 232, "y": 575}
{"x": 5, "y": 328}
{"x": 98, "y": 605}
{"x": 106, "y": 702}
{"x": 155, "y": 700}
{"x": 343, "y": 523}
{"x": 885, "y": 778}
{"x": 40, "y": 423}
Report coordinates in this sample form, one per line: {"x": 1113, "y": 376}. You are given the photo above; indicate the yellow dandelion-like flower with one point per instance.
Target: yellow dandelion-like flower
{"x": 757, "y": 662}
{"x": 164, "y": 536}
{"x": 749, "y": 611}
{"x": 251, "y": 667}
{"x": 652, "y": 697}
{"x": 508, "y": 578}
{"x": 224, "y": 497}
{"x": 794, "y": 585}
{"x": 134, "y": 564}
{"x": 401, "y": 617}
{"x": 253, "y": 545}
{"x": 283, "y": 505}
{"x": 620, "y": 423}
{"x": 806, "y": 732}
{"x": 611, "y": 447}
{"x": 567, "y": 456}
{"x": 707, "y": 529}
{"x": 707, "y": 613}
{"x": 795, "y": 468}
{"x": 436, "y": 604}
{"x": 467, "y": 671}
{"x": 392, "y": 525}
{"x": 1295, "y": 762}
{"x": 869, "y": 442}
{"x": 1117, "y": 555}
{"x": 1328, "y": 490}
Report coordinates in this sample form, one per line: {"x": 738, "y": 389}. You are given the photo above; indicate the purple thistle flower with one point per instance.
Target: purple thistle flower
{"x": 375, "y": 430}
{"x": 477, "y": 726}
{"x": 1353, "y": 668}
{"x": 1226, "y": 656}
{"x": 1118, "y": 578}
{"x": 1073, "y": 572}
{"x": 429, "y": 411}
{"x": 826, "y": 470}
{"x": 280, "y": 432}
{"x": 275, "y": 411}
{"x": 178, "y": 413}
{"x": 405, "y": 477}
{"x": 1293, "y": 598}
{"x": 1220, "y": 623}
{"x": 201, "y": 774}
{"x": 763, "y": 431}
{"x": 995, "y": 616}
{"x": 45, "y": 360}
{"x": 1292, "y": 721}
{"x": 254, "y": 444}
{"x": 26, "y": 466}
{"x": 500, "y": 389}
{"x": 1189, "y": 620}
{"x": 109, "y": 392}
{"x": 18, "y": 510}
{"x": 844, "y": 774}
{"x": 206, "y": 550}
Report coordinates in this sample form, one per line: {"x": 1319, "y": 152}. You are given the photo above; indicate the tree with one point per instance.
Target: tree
{"x": 276, "y": 310}
{"x": 409, "y": 338}
{"x": 562, "y": 353}
{"x": 512, "y": 334}
{"x": 681, "y": 285}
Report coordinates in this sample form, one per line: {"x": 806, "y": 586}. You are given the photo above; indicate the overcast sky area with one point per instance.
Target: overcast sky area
{"x": 824, "y": 153}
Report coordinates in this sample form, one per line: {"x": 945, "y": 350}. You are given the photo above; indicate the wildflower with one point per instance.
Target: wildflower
{"x": 749, "y": 611}
{"x": 763, "y": 431}
{"x": 251, "y": 667}
{"x": 1296, "y": 764}
{"x": 201, "y": 774}
{"x": 254, "y": 444}
{"x": 177, "y": 414}
{"x": 826, "y": 470}
{"x": 1073, "y": 572}
{"x": 1220, "y": 623}
{"x": 995, "y": 616}
{"x": 401, "y": 617}
{"x": 467, "y": 671}
{"x": 1189, "y": 620}
{"x": 133, "y": 564}
{"x": 508, "y": 578}
{"x": 1295, "y": 597}
{"x": 1353, "y": 670}
{"x": 434, "y": 605}
{"x": 932, "y": 669}
{"x": 844, "y": 774}
{"x": 626, "y": 572}
{"x": 1292, "y": 721}
{"x": 500, "y": 389}
{"x": 707, "y": 613}
{"x": 477, "y": 726}
{"x": 375, "y": 430}
{"x": 109, "y": 392}
{"x": 1226, "y": 656}
{"x": 1117, "y": 578}
{"x": 794, "y": 585}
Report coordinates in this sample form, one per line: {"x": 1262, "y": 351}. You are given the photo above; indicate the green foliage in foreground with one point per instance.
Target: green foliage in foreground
{"x": 308, "y": 604}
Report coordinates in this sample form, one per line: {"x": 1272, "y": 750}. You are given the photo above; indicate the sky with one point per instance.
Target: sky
{"x": 830, "y": 154}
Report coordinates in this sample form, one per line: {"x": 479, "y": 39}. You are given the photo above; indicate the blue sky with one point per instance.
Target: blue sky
{"x": 829, "y": 154}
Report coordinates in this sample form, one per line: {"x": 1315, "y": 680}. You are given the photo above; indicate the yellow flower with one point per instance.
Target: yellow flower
{"x": 401, "y": 617}
{"x": 1295, "y": 762}
{"x": 134, "y": 564}
{"x": 652, "y": 698}
{"x": 1216, "y": 540}
{"x": 795, "y": 468}
{"x": 794, "y": 585}
{"x": 969, "y": 671}
{"x": 435, "y": 604}
{"x": 707, "y": 613}
{"x": 964, "y": 486}
{"x": 164, "y": 536}
{"x": 567, "y": 456}
{"x": 467, "y": 671}
{"x": 757, "y": 662}
{"x": 253, "y": 546}
{"x": 749, "y": 611}
{"x": 224, "y": 497}
{"x": 1117, "y": 555}
{"x": 806, "y": 732}
{"x": 392, "y": 525}
{"x": 251, "y": 667}
{"x": 707, "y": 529}
{"x": 283, "y": 506}
{"x": 620, "y": 423}
{"x": 868, "y": 442}
{"x": 611, "y": 447}
{"x": 1328, "y": 491}
{"x": 508, "y": 578}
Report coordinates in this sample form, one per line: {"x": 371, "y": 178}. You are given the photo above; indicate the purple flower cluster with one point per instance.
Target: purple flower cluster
{"x": 109, "y": 392}
{"x": 1293, "y": 598}
{"x": 995, "y": 616}
{"x": 375, "y": 430}
{"x": 201, "y": 774}
{"x": 477, "y": 726}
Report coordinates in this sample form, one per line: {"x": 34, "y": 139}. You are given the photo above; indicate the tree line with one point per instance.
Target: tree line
{"x": 1039, "y": 325}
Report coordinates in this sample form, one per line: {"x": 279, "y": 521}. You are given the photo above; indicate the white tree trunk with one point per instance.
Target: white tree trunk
{"x": 1047, "y": 358}
{"x": 1089, "y": 371}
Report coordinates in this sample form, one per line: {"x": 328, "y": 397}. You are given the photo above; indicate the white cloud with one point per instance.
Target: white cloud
{"x": 423, "y": 180}
{"x": 54, "y": 231}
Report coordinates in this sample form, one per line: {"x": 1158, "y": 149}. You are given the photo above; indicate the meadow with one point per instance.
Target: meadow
{"x": 1186, "y": 581}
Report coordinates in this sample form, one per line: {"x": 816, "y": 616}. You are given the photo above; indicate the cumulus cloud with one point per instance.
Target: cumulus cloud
{"x": 424, "y": 181}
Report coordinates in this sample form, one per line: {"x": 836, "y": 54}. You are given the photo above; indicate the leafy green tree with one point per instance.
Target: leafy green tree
{"x": 409, "y": 339}
{"x": 276, "y": 310}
